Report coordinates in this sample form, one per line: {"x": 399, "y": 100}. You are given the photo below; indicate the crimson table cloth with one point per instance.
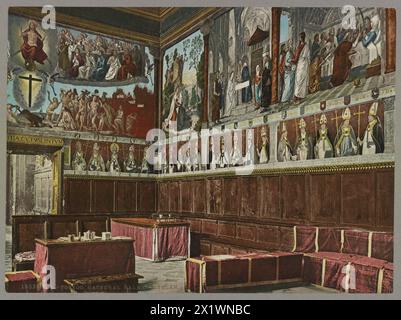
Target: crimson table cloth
{"x": 77, "y": 259}
{"x": 155, "y": 240}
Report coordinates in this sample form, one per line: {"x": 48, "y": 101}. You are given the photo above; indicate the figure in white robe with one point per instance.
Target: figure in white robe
{"x": 301, "y": 58}
{"x": 114, "y": 65}
{"x": 230, "y": 96}
{"x": 176, "y": 103}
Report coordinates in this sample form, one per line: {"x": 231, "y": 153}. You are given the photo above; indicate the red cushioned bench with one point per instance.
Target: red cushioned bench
{"x": 209, "y": 273}
{"x": 347, "y": 260}
{"x": 354, "y": 261}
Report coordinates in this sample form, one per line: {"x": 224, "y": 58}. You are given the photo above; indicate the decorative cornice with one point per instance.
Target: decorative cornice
{"x": 163, "y": 13}
{"x": 74, "y": 22}
{"x": 275, "y": 171}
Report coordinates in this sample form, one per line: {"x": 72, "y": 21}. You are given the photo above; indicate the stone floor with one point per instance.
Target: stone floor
{"x": 168, "y": 277}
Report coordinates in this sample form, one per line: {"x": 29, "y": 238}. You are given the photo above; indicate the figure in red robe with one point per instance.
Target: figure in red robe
{"x": 32, "y": 47}
{"x": 127, "y": 67}
{"x": 341, "y": 63}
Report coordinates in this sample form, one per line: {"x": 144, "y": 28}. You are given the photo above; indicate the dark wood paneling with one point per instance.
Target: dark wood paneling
{"x": 246, "y": 232}
{"x": 325, "y": 197}
{"x": 214, "y": 194}
{"x": 126, "y": 196}
{"x": 226, "y": 229}
{"x": 174, "y": 196}
{"x": 219, "y": 249}
{"x": 269, "y": 197}
{"x": 209, "y": 227}
{"x": 205, "y": 249}
{"x": 385, "y": 198}
{"x": 186, "y": 196}
{"x": 293, "y": 197}
{"x": 270, "y": 235}
{"x": 249, "y": 196}
{"x": 358, "y": 198}
{"x": 77, "y": 196}
{"x": 231, "y": 196}
{"x": 163, "y": 202}
{"x": 63, "y": 228}
{"x": 199, "y": 196}
{"x": 146, "y": 196}
{"x": 103, "y": 196}
{"x": 26, "y": 235}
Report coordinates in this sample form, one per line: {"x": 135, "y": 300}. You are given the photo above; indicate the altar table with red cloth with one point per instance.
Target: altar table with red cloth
{"x": 155, "y": 240}
{"x": 84, "y": 258}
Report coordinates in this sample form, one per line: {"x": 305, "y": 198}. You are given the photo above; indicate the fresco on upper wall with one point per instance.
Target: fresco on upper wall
{"x": 239, "y": 63}
{"x": 183, "y": 84}
{"x": 318, "y": 57}
{"x": 65, "y": 79}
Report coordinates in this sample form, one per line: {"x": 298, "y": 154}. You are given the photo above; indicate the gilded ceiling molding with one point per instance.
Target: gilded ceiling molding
{"x": 88, "y": 25}
{"x": 142, "y": 12}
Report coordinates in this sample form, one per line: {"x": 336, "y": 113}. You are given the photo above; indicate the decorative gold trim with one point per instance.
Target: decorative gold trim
{"x": 113, "y": 177}
{"x": 163, "y": 14}
{"x": 293, "y": 170}
{"x": 74, "y": 22}
{"x": 35, "y": 140}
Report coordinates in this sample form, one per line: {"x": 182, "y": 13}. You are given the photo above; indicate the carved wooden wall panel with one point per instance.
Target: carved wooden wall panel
{"x": 146, "y": 196}
{"x": 385, "y": 198}
{"x": 325, "y": 202}
{"x": 126, "y": 196}
{"x": 269, "y": 197}
{"x": 358, "y": 198}
{"x": 77, "y": 196}
{"x": 214, "y": 194}
{"x": 103, "y": 196}
{"x": 226, "y": 229}
{"x": 174, "y": 196}
{"x": 293, "y": 197}
{"x": 231, "y": 196}
{"x": 246, "y": 232}
{"x": 186, "y": 199}
{"x": 249, "y": 197}
{"x": 199, "y": 196}
{"x": 163, "y": 196}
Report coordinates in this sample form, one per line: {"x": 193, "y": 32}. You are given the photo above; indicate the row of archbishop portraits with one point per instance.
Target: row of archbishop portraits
{"x": 346, "y": 143}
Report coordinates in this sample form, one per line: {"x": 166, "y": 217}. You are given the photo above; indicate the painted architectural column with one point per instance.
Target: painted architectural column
{"x": 275, "y": 54}
{"x": 388, "y": 124}
{"x": 390, "y": 39}
{"x": 274, "y": 127}
{"x": 155, "y": 52}
{"x": 205, "y": 30}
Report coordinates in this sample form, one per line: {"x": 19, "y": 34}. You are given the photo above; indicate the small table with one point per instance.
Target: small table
{"x": 155, "y": 240}
{"x": 71, "y": 260}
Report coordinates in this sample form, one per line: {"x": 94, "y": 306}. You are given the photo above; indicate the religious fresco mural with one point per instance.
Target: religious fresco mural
{"x": 355, "y": 130}
{"x": 239, "y": 63}
{"x": 317, "y": 51}
{"x": 67, "y": 79}
{"x": 183, "y": 84}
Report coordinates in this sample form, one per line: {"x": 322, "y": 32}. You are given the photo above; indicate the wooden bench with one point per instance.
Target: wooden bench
{"x": 22, "y": 282}
{"x": 127, "y": 282}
